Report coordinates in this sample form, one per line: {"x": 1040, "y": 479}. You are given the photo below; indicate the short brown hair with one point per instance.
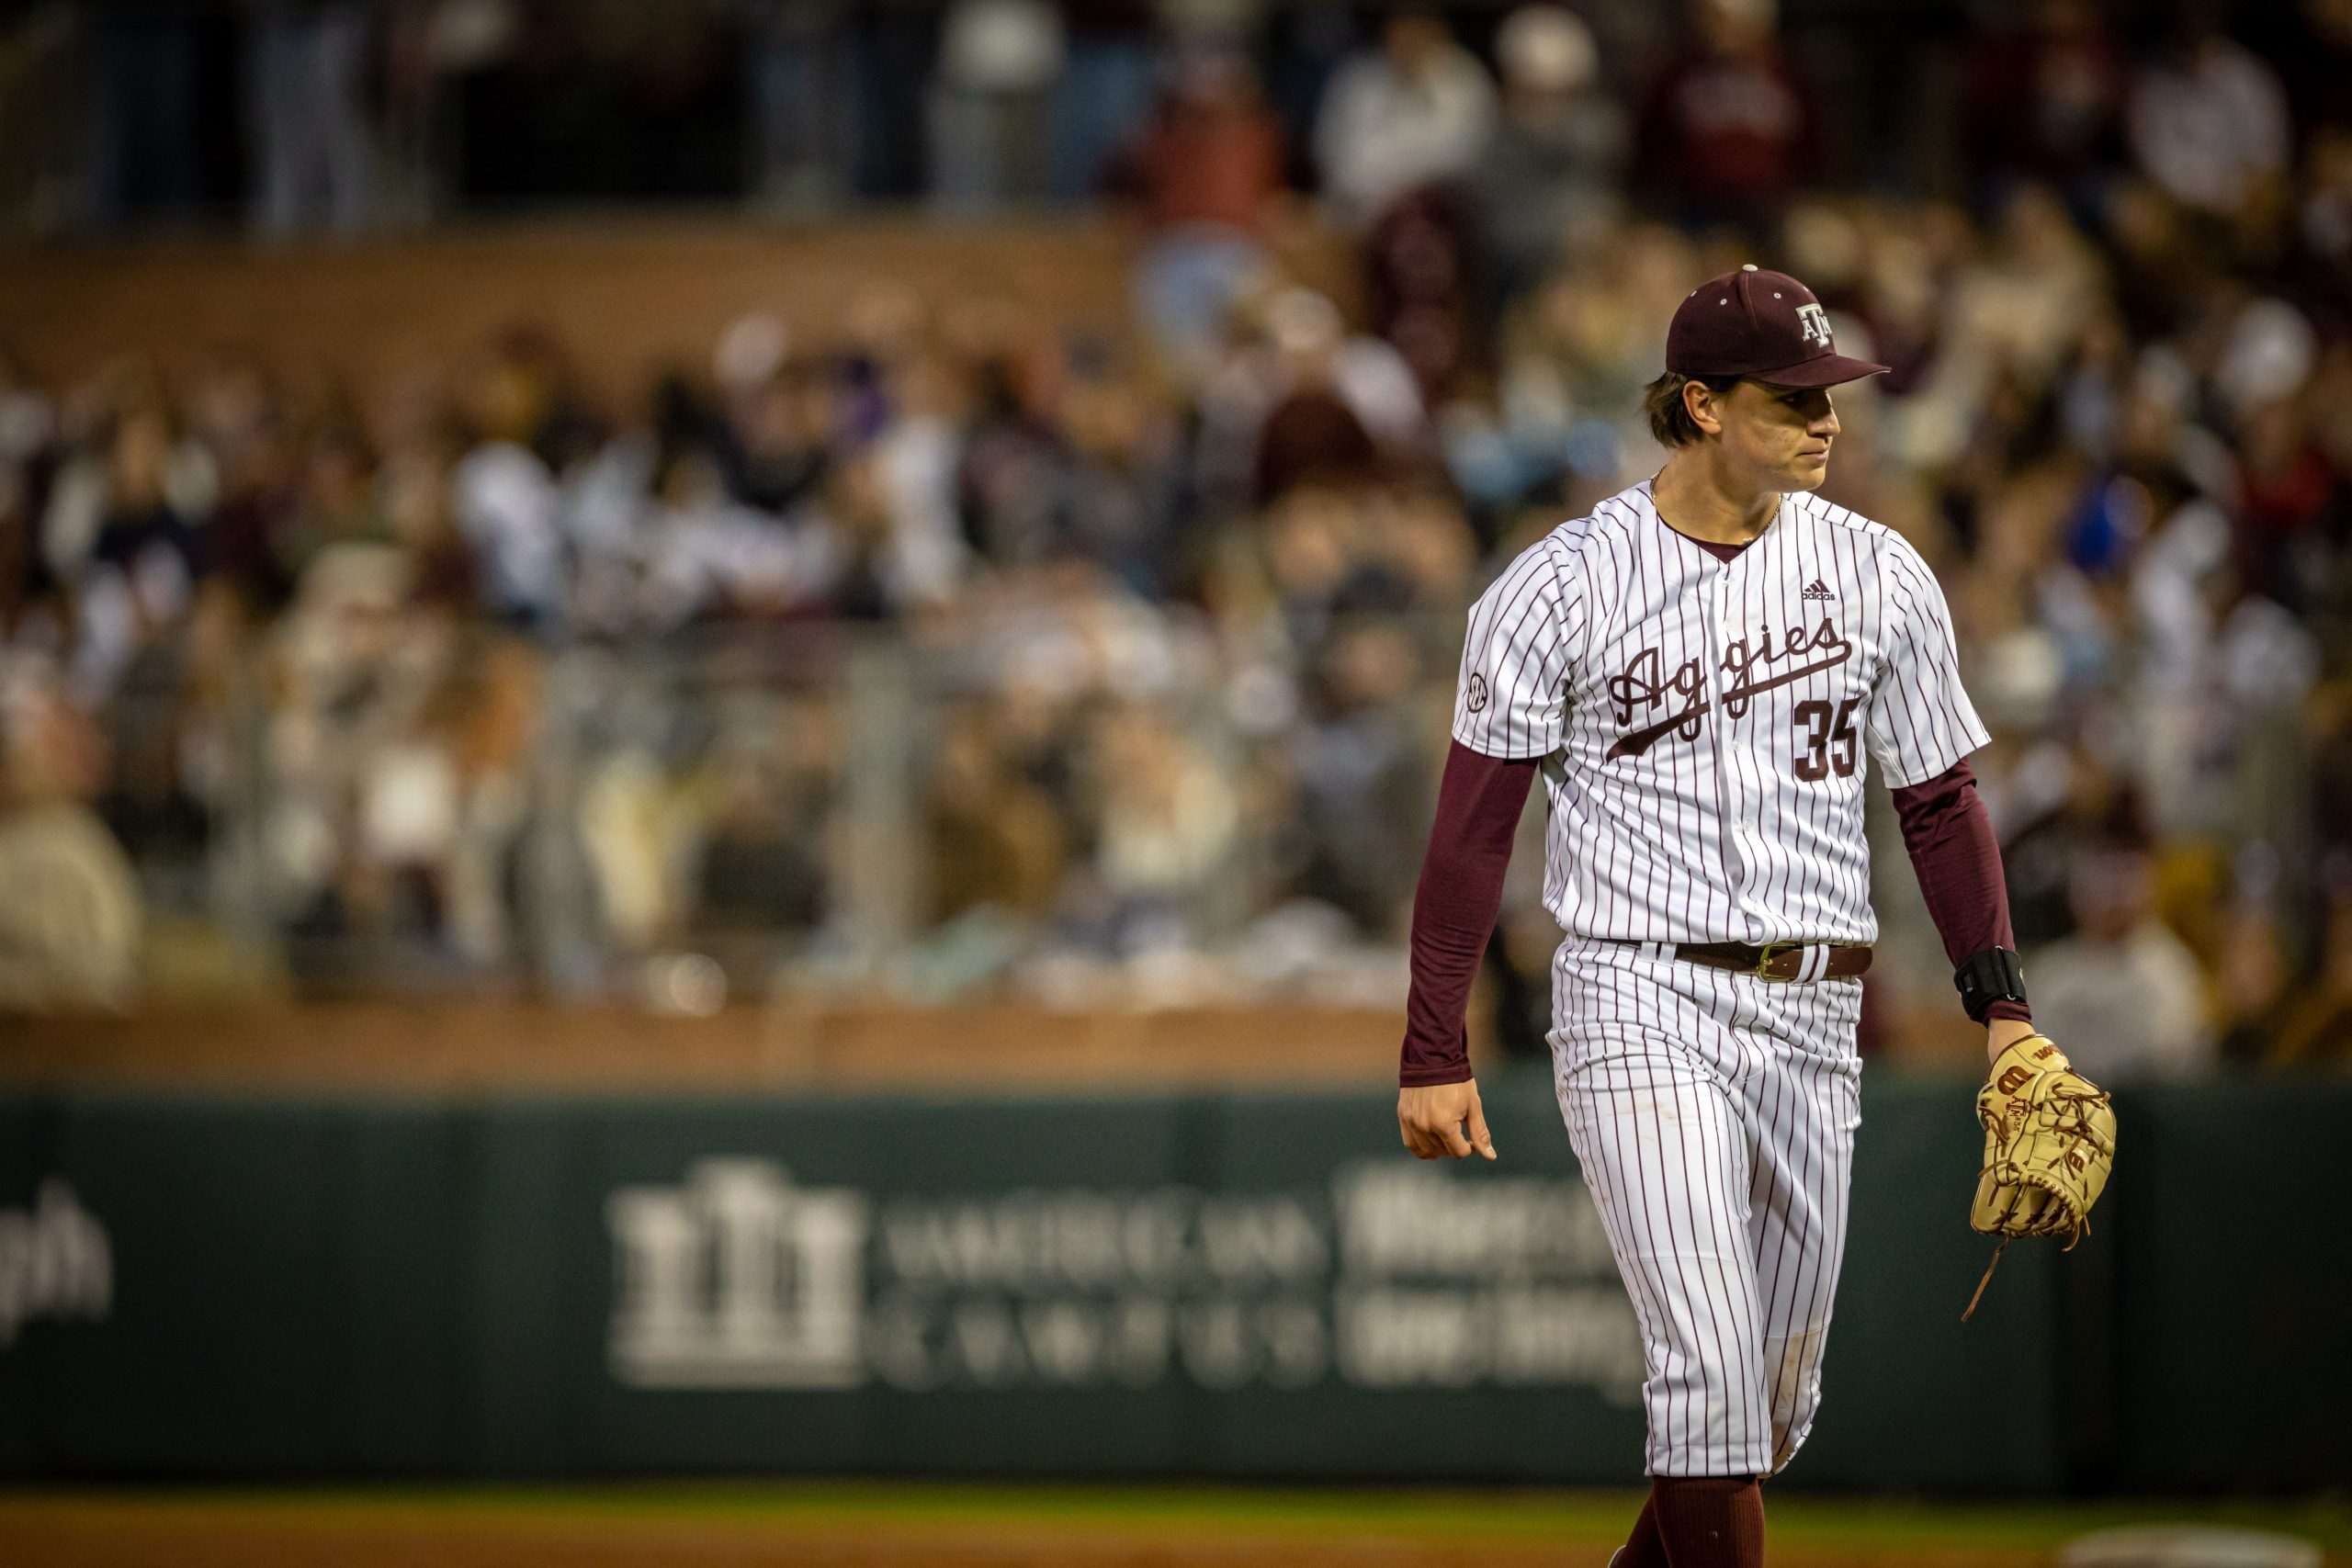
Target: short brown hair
{"x": 1669, "y": 418}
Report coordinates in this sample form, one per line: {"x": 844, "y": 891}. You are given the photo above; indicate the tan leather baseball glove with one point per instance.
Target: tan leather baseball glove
{"x": 2049, "y": 1146}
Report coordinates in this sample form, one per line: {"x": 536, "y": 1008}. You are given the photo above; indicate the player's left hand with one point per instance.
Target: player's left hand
{"x": 1432, "y": 1118}
{"x": 2049, "y": 1143}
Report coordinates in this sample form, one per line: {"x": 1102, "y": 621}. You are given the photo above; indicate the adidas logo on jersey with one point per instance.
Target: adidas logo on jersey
{"x": 1816, "y": 589}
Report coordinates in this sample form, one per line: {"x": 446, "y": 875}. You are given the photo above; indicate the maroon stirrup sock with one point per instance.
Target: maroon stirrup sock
{"x": 1644, "y": 1547}
{"x": 1710, "y": 1521}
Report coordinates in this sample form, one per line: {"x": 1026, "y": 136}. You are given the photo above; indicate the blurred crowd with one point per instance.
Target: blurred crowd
{"x": 954, "y": 652}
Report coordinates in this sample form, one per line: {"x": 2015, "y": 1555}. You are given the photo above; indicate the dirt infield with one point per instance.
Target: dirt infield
{"x": 99, "y": 1535}
{"x": 908, "y": 1527}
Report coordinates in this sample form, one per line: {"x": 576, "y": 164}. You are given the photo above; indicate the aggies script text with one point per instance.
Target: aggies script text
{"x": 1644, "y": 685}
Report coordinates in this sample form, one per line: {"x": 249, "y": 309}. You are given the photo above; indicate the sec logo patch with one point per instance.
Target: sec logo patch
{"x": 1477, "y": 693}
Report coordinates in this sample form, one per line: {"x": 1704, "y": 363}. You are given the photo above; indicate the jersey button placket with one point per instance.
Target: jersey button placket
{"x": 1718, "y": 601}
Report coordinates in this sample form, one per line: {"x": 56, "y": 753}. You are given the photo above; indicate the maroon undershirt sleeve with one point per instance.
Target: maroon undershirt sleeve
{"x": 1958, "y": 858}
{"x": 1461, "y": 891}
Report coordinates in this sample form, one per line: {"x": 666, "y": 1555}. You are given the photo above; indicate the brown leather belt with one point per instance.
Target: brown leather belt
{"x": 1778, "y": 960}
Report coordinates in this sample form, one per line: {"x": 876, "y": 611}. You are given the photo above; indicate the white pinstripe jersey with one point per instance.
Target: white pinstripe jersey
{"x": 1701, "y": 720}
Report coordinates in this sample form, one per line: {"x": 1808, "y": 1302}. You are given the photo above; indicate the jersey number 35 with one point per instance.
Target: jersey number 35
{"x": 1828, "y": 742}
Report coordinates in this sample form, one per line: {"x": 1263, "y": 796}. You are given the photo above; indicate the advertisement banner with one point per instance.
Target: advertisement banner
{"x": 1237, "y": 1285}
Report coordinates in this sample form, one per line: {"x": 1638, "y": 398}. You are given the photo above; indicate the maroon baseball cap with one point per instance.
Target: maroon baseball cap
{"x": 1765, "y": 326}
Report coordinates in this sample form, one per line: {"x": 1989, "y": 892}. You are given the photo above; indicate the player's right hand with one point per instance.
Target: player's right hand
{"x": 1432, "y": 1118}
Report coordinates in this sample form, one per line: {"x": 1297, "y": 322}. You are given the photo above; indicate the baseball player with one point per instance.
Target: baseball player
{"x": 1697, "y": 670}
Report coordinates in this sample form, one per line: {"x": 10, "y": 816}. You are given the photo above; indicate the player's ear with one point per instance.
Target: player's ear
{"x": 1703, "y": 405}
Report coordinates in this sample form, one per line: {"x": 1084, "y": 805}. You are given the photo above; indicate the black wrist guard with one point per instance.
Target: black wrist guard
{"x": 1992, "y": 976}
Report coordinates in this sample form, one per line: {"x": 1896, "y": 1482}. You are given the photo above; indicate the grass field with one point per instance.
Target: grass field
{"x": 883, "y": 1525}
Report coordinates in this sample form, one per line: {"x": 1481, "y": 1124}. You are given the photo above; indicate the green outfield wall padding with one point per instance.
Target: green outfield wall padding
{"x": 2234, "y": 1264}
{"x": 1238, "y": 1285}
{"x": 23, "y": 1154}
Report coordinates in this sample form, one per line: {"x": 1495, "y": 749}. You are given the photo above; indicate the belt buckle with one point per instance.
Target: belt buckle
{"x": 1764, "y": 956}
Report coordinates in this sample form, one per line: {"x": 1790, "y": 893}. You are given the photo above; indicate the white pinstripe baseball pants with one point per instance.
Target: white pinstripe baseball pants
{"x": 1714, "y": 1114}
